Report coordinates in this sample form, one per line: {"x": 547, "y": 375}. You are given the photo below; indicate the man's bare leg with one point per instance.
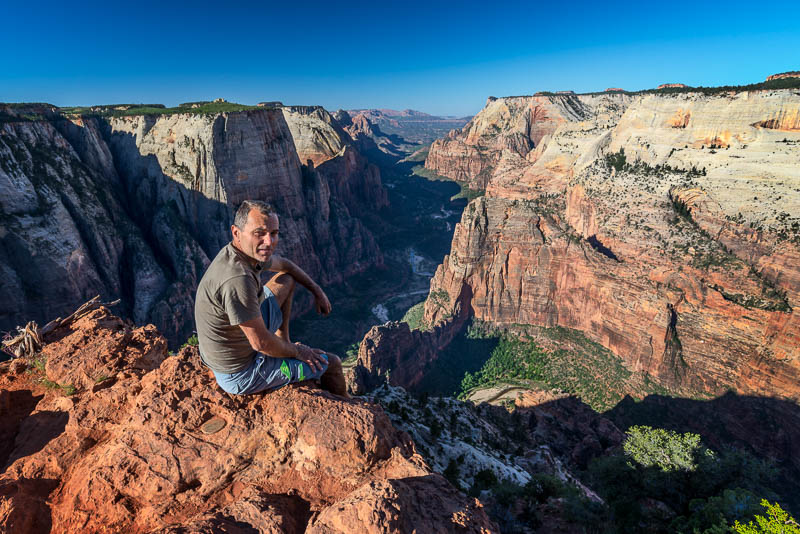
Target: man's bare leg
{"x": 333, "y": 379}
{"x": 282, "y": 286}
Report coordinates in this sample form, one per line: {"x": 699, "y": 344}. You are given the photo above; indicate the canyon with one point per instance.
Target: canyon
{"x": 136, "y": 206}
{"x": 663, "y": 226}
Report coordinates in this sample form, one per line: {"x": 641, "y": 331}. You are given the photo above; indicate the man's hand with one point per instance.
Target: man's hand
{"x": 310, "y": 356}
{"x": 323, "y": 304}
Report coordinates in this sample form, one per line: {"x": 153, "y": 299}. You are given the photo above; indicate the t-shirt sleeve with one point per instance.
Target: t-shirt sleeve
{"x": 239, "y": 295}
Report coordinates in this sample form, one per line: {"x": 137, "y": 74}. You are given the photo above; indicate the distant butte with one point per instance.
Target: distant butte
{"x": 779, "y": 76}
{"x": 671, "y": 85}
{"x": 615, "y": 90}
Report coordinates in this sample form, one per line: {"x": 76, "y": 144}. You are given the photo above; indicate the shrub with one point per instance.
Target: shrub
{"x": 777, "y": 522}
{"x": 665, "y": 449}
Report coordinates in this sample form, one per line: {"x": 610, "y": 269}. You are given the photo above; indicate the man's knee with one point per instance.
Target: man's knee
{"x": 282, "y": 286}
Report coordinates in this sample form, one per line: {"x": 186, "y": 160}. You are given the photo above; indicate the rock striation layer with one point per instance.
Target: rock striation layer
{"x": 129, "y": 452}
{"x": 665, "y": 227}
{"x": 135, "y": 207}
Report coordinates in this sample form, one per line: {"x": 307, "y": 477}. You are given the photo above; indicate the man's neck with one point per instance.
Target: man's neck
{"x": 252, "y": 262}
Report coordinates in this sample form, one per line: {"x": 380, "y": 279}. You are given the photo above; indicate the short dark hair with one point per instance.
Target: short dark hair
{"x": 240, "y": 219}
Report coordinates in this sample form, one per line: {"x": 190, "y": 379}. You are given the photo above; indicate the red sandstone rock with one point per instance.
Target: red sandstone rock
{"x": 708, "y": 305}
{"x": 396, "y": 348}
{"x": 782, "y": 75}
{"x": 129, "y": 456}
{"x": 546, "y": 278}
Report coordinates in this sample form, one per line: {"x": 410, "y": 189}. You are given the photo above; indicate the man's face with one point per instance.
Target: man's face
{"x": 259, "y": 237}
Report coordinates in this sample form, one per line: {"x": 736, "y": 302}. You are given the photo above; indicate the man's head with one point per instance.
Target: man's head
{"x": 255, "y": 230}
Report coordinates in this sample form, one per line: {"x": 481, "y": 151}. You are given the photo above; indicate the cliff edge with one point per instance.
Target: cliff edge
{"x": 104, "y": 431}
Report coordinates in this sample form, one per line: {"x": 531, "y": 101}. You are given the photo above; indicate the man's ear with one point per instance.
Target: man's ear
{"x": 235, "y": 232}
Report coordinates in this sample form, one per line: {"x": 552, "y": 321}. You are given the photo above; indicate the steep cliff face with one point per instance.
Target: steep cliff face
{"x": 370, "y": 140}
{"x": 392, "y": 353}
{"x": 317, "y": 135}
{"x": 324, "y": 146}
{"x": 137, "y": 206}
{"x": 514, "y": 127}
{"x": 149, "y": 443}
{"x": 668, "y": 233}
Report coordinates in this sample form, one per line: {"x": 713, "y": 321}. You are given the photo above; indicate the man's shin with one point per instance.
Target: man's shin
{"x": 333, "y": 379}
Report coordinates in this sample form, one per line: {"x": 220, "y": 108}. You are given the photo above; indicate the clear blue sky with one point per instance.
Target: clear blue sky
{"x": 441, "y": 58}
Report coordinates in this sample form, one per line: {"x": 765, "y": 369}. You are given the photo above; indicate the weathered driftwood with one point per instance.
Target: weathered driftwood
{"x": 30, "y": 339}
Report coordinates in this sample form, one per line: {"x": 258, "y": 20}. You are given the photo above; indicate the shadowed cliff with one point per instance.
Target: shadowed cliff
{"x": 136, "y": 207}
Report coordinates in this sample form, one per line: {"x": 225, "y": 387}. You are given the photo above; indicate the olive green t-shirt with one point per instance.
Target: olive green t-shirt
{"x": 229, "y": 294}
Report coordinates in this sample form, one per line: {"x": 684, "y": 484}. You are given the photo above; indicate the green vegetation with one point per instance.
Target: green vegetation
{"x": 350, "y": 355}
{"x": 664, "y": 481}
{"x": 440, "y": 299}
{"x": 467, "y": 193}
{"x": 191, "y": 342}
{"x": 619, "y": 162}
{"x": 155, "y": 109}
{"x": 463, "y": 355}
{"x": 586, "y": 368}
{"x": 511, "y": 361}
{"x": 67, "y": 389}
{"x": 777, "y": 522}
{"x": 414, "y": 317}
{"x": 784, "y": 83}
{"x": 38, "y": 364}
{"x": 772, "y": 299}
{"x": 665, "y": 449}
{"x": 712, "y": 254}
{"x": 516, "y": 508}
{"x": 420, "y": 155}
{"x": 422, "y": 172}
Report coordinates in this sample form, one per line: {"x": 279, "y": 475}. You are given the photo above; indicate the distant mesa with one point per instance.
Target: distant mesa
{"x": 673, "y": 86}
{"x": 201, "y": 103}
{"x": 782, "y": 75}
{"x": 194, "y": 105}
{"x": 615, "y": 90}
{"x": 549, "y": 93}
{"x": 272, "y": 104}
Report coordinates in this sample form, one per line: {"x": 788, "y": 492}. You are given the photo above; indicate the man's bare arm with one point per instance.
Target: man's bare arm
{"x": 264, "y": 341}
{"x": 282, "y": 265}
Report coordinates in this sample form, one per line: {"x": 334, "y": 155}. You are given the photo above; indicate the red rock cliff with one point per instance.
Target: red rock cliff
{"x": 677, "y": 248}
{"x": 127, "y": 451}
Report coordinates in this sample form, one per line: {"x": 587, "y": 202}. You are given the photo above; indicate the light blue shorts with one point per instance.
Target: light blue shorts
{"x": 266, "y": 372}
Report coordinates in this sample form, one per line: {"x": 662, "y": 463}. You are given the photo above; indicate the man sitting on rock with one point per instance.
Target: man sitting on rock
{"x": 243, "y": 327}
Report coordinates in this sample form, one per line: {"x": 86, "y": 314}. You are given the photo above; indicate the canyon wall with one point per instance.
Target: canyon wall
{"x": 136, "y": 207}
{"x": 665, "y": 227}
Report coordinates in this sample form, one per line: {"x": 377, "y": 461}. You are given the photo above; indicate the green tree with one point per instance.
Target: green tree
{"x": 777, "y": 522}
{"x": 665, "y": 449}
